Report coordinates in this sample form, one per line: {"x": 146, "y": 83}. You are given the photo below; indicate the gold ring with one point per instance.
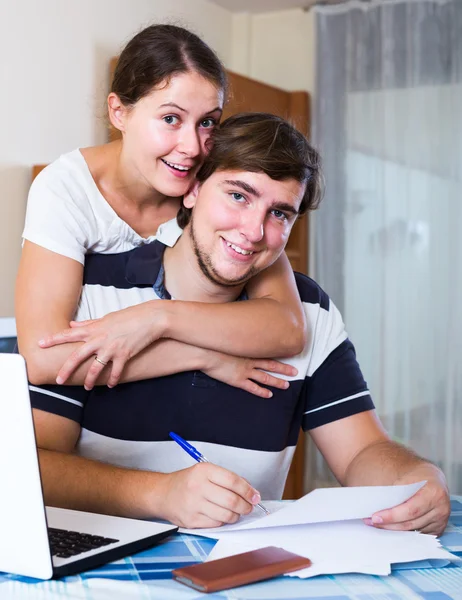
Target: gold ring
{"x": 101, "y": 361}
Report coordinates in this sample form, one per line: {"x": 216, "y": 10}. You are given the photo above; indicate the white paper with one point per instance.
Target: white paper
{"x": 321, "y": 505}
{"x": 338, "y": 504}
{"x": 255, "y": 516}
{"x": 337, "y": 547}
{"x": 326, "y": 526}
{"x": 225, "y": 548}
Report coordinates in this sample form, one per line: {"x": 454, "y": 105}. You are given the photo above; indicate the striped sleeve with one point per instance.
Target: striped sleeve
{"x": 336, "y": 390}
{"x": 63, "y": 400}
{"x": 334, "y": 387}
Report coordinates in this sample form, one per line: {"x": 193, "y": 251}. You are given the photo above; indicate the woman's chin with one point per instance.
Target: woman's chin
{"x": 173, "y": 189}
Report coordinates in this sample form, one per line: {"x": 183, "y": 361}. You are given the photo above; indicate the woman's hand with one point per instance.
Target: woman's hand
{"x": 121, "y": 335}
{"x": 115, "y": 339}
{"x": 247, "y": 373}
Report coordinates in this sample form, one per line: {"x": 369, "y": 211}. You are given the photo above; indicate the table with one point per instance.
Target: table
{"x": 147, "y": 575}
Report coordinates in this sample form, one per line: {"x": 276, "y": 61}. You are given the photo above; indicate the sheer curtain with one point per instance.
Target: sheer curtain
{"x": 388, "y": 122}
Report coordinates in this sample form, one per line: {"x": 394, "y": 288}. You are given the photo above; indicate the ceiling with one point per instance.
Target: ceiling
{"x": 260, "y": 6}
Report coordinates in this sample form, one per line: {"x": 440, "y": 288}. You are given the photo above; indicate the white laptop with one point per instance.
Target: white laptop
{"x": 7, "y": 334}
{"x": 50, "y": 542}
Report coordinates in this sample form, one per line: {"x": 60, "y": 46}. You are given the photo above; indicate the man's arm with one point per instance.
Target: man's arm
{"x": 339, "y": 414}
{"x": 363, "y": 454}
{"x": 70, "y": 481}
{"x": 202, "y": 496}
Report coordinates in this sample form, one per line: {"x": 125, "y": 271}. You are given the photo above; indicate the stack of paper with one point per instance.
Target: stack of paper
{"x": 326, "y": 526}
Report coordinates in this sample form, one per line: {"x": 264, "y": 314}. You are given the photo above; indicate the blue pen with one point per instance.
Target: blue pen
{"x": 194, "y": 453}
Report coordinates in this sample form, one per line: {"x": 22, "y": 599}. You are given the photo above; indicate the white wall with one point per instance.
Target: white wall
{"x": 277, "y": 48}
{"x": 54, "y": 77}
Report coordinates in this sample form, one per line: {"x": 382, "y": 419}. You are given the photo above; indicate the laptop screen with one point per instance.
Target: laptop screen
{"x": 7, "y": 334}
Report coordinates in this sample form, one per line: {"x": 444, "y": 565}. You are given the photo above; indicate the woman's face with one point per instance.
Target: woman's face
{"x": 165, "y": 133}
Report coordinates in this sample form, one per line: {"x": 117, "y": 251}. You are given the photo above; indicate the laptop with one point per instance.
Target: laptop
{"x": 46, "y": 542}
{"x": 7, "y": 334}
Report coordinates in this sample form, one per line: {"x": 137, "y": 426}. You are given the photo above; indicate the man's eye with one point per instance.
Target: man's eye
{"x": 237, "y": 196}
{"x": 279, "y": 215}
{"x": 171, "y": 120}
{"x": 208, "y": 123}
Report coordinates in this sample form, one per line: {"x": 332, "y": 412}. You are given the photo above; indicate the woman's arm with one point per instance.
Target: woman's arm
{"x": 270, "y": 324}
{"x": 48, "y": 288}
{"x": 47, "y": 293}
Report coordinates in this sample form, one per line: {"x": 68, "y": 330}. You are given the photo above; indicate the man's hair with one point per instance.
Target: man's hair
{"x": 263, "y": 143}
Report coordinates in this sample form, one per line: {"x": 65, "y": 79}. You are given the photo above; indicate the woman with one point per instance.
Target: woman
{"x": 166, "y": 98}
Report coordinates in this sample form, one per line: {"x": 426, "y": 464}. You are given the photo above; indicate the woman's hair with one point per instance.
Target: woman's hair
{"x": 263, "y": 143}
{"x": 156, "y": 54}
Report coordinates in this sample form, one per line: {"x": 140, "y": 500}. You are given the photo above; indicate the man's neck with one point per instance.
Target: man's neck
{"x": 184, "y": 279}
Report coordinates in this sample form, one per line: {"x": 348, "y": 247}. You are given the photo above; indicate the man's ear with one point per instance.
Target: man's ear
{"x": 117, "y": 111}
{"x": 189, "y": 199}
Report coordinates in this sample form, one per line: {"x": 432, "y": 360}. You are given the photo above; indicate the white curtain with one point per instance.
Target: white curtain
{"x": 388, "y": 250}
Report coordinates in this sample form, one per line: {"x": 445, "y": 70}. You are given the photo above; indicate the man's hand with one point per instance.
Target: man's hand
{"x": 427, "y": 511}
{"x": 363, "y": 454}
{"x": 206, "y": 495}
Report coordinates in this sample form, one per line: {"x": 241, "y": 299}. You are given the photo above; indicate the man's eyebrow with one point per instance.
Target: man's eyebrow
{"x": 244, "y": 186}
{"x": 283, "y": 206}
{"x": 173, "y": 105}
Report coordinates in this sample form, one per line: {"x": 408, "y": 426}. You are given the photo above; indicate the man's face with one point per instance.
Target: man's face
{"x": 240, "y": 223}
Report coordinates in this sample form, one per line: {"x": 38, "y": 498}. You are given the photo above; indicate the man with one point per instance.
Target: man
{"x": 109, "y": 450}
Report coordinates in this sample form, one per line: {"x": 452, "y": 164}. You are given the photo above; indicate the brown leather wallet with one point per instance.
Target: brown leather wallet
{"x": 240, "y": 569}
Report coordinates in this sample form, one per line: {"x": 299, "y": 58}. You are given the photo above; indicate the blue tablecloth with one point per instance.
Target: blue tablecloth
{"x": 148, "y": 575}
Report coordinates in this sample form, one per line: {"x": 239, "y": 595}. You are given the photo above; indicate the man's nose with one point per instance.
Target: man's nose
{"x": 253, "y": 227}
{"x": 189, "y": 142}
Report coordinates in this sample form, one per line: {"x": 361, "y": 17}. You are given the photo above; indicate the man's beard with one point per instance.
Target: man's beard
{"x": 206, "y": 266}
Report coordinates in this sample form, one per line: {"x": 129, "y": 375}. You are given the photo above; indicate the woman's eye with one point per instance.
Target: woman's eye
{"x": 171, "y": 120}
{"x": 237, "y": 196}
{"x": 208, "y": 123}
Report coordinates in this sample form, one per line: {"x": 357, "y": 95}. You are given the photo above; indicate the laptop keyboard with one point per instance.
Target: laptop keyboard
{"x": 65, "y": 543}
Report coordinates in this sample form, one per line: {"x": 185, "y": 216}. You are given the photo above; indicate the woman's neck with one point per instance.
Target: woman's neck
{"x": 115, "y": 175}
{"x": 134, "y": 201}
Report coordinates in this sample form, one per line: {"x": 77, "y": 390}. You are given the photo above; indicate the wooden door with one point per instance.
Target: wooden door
{"x": 249, "y": 95}
{"x": 36, "y": 170}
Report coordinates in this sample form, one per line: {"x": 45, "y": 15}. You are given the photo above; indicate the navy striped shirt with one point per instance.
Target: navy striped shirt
{"x": 255, "y": 437}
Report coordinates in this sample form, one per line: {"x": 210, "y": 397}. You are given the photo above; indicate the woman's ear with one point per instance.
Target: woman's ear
{"x": 189, "y": 199}
{"x": 117, "y": 111}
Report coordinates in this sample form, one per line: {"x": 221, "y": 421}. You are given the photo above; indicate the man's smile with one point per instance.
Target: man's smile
{"x": 237, "y": 252}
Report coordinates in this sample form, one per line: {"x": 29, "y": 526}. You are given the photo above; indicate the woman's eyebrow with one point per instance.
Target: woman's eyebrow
{"x": 173, "y": 105}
